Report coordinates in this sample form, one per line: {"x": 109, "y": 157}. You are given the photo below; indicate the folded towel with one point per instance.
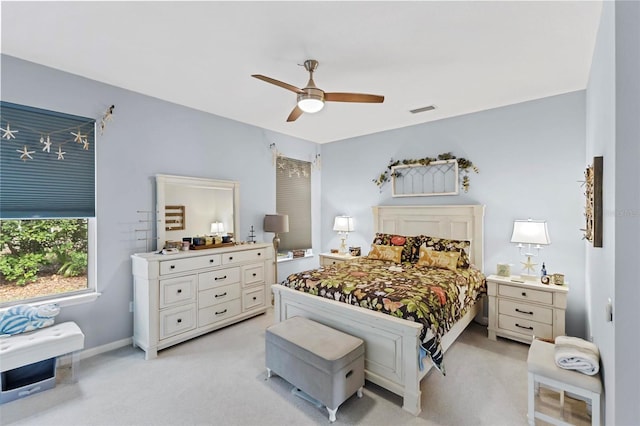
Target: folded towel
{"x": 574, "y": 353}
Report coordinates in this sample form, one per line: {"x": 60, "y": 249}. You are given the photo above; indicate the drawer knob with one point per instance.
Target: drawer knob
{"x": 259, "y": 254}
{"x": 522, "y": 326}
{"x": 524, "y": 312}
{"x": 221, "y": 312}
{"x": 221, "y": 295}
{"x": 254, "y": 274}
{"x": 211, "y": 260}
{"x": 172, "y": 266}
{"x": 179, "y": 320}
{"x": 230, "y": 257}
{"x": 255, "y": 298}
{"x": 221, "y": 278}
{"x": 524, "y": 293}
{"x": 179, "y": 290}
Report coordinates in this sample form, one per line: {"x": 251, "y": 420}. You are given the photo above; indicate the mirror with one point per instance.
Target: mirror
{"x": 188, "y": 206}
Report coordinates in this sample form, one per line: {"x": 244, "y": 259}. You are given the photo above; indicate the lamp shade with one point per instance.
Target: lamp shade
{"x": 343, "y": 224}
{"x": 530, "y": 232}
{"x": 217, "y": 228}
{"x": 276, "y": 223}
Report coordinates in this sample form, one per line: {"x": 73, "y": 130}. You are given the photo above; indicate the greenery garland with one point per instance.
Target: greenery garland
{"x": 464, "y": 166}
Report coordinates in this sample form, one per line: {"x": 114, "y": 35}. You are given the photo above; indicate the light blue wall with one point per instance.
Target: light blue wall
{"x": 148, "y": 136}
{"x": 613, "y": 131}
{"x": 531, "y": 159}
{"x": 627, "y": 212}
{"x": 601, "y": 134}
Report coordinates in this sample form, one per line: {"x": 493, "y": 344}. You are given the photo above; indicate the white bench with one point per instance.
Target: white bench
{"x": 326, "y": 364}
{"x": 543, "y": 370}
{"x": 29, "y": 349}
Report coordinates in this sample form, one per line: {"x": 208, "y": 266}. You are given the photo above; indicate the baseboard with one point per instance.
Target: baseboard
{"x": 88, "y": 353}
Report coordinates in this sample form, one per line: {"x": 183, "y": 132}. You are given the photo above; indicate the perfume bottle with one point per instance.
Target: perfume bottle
{"x": 543, "y": 271}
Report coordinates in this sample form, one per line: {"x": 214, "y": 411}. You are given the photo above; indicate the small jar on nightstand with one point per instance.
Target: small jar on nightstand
{"x": 327, "y": 259}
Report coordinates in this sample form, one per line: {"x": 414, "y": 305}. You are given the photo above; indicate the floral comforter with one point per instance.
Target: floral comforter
{"x": 435, "y": 297}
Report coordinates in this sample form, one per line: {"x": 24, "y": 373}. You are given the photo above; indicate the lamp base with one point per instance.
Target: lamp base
{"x": 527, "y": 277}
{"x": 343, "y": 246}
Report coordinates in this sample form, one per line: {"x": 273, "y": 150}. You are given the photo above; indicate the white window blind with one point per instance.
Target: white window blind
{"x": 293, "y": 198}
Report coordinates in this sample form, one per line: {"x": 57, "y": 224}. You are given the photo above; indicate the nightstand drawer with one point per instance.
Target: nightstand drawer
{"x": 521, "y": 293}
{"x": 524, "y": 326}
{"x": 526, "y": 311}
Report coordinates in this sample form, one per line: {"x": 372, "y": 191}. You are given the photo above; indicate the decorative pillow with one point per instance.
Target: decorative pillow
{"x": 23, "y": 318}
{"x": 438, "y": 259}
{"x": 380, "y": 252}
{"x": 409, "y": 245}
{"x": 443, "y": 244}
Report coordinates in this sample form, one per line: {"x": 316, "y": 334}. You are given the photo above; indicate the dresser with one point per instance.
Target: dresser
{"x": 177, "y": 297}
{"x": 521, "y": 310}
{"x": 327, "y": 259}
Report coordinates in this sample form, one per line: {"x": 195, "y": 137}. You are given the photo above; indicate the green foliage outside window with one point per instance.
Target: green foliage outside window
{"x": 29, "y": 247}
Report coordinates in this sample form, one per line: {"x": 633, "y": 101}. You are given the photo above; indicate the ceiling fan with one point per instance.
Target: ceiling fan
{"x": 311, "y": 99}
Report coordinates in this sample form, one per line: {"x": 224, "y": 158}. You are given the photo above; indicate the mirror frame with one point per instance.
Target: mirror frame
{"x": 162, "y": 180}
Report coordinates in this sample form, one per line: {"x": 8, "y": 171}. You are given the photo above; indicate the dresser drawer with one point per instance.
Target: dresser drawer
{"x": 252, "y": 298}
{"x": 538, "y": 296}
{"x": 177, "y": 320}
{"x": 524, "y": 310}
{"x": 524, "y": 326}
{"x": 253, "y": 274}
{"x": 325, "y": 261}
{"x": 244, "y": 256}
{"x": 207, "y": 280}
{"x": 178, "y": 290}
{"x": 181, "y": 265}
{"x": 218, "y": 295}
{"x": 216, "y": 313}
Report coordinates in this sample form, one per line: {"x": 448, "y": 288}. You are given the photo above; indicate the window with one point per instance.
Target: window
{"x": 293, "y": 198}
{"x": 47, "y": 205}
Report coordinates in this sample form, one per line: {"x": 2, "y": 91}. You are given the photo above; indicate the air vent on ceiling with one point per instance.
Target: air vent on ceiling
{"x": 423, "y": 109}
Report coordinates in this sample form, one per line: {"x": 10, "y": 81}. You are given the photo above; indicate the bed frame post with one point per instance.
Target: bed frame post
{"x": 412, "y": 394}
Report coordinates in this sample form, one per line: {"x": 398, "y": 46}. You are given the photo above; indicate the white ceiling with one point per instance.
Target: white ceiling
{"x": 459, "y": 56}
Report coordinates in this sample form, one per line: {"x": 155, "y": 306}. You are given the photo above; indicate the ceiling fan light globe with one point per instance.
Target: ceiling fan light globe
{"x": 310, "y": 102}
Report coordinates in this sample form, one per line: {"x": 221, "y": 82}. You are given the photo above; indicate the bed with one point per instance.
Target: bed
{"x": 393, "y": 346}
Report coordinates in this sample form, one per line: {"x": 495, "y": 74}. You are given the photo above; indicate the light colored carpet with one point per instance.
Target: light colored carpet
{"x": 219, "y": 379}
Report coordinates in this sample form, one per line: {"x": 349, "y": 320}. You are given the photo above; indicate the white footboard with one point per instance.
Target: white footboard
{"x": 391, "y": 344}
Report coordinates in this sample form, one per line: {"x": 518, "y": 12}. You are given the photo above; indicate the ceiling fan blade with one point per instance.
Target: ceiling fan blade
{"x": 277, "y": 83}
{"x": 353, "y": 97}
{"x": 297, "y": 112}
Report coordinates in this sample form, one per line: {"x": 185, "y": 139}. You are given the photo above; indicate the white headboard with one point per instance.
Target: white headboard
{"x": 459, "y": 222}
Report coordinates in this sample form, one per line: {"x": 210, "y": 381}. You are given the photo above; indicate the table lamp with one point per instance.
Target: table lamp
{"x": 530, "y": 232}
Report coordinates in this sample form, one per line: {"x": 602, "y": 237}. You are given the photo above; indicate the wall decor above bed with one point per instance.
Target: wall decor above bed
{"x": 428, "y": 176}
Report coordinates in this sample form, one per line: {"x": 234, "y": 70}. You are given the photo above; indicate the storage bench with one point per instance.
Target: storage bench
{"x": 28, "y": 360}
{"x": 326, "y": 364}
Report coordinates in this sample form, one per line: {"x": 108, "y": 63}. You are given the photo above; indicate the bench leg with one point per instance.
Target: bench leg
{"x": 269, "y": 373}
{"x": 75, "y": 366}
{"x": 332, "y": 414}
{"x": 360, "y": 392}
{"x": 532, "y": 400}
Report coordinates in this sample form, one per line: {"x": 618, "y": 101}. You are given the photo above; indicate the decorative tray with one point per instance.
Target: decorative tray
{"x": 210, "y": 246}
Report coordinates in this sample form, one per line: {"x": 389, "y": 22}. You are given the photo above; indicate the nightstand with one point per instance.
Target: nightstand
{"x": 327, "y": 259}
{"x": 521, "y": 310}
